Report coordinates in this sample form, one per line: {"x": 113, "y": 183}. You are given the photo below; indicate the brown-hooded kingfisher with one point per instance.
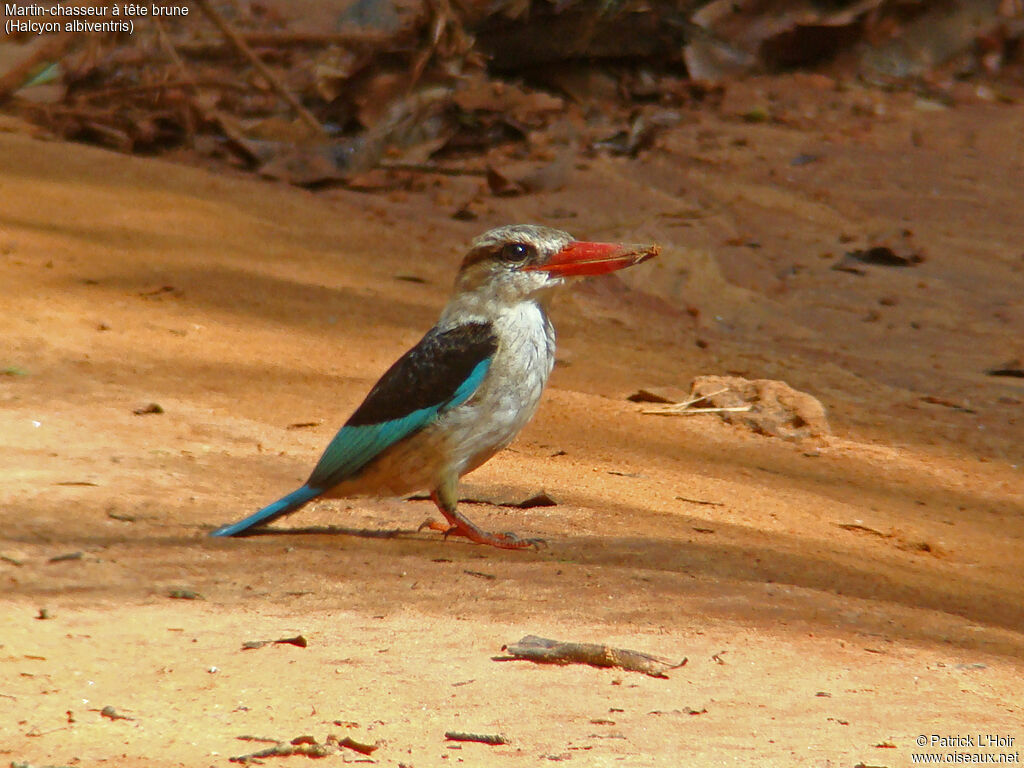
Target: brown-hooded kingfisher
{"x": 466, "y": 389}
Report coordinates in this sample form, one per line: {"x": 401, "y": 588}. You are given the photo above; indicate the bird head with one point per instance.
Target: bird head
{"x": 523, "y": 262}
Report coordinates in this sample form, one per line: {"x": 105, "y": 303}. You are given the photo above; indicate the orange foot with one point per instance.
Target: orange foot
{"x": 458, "y": 525}
{"x": 507, "y": 540}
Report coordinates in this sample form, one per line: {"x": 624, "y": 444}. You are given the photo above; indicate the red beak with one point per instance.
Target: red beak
{"x": 579, "y": 258}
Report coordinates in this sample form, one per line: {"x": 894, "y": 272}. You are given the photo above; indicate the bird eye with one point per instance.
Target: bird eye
{"x": 515, "y": 253}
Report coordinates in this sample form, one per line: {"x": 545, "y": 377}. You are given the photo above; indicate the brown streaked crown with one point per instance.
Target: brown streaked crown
{"x": 516, "y": 245}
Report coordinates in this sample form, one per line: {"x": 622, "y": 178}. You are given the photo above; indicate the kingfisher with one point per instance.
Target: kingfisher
{"x": 467, "y": 388}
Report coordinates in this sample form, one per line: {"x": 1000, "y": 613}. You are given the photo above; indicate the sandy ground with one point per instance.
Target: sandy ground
{"x": 836, "y": 598}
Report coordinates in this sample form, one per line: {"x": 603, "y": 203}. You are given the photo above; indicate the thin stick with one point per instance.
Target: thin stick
{"x": 437, "y": 26}
{"x": 290, "y": 39}
{"x": 342, "y": 37}
{"x": 77, "y": 110}
{"x": 682, "y": 410}
{"x": 684, "y": 407}
{"x": 432, "y": 168}
{"x": 241, "y": 46}
{"x": 546, "y": 651}
{"x": 363, "y": 749}
{"x": 167, "y": 84}
{"x": 168, "y": 46}
{"x": 286, "y": 750}
{"x": 701, "y": 501}
{"x": 495, "y": 739}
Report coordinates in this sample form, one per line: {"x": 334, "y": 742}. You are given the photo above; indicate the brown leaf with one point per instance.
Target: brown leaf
{"x": 501, "y": 185}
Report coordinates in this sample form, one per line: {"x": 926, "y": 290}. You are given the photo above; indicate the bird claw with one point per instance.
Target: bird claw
{"x": 522, "y": 543}
{"x": 433, "y": 525}
{"x": 507, "y": 540}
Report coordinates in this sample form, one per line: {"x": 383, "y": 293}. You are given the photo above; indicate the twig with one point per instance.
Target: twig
{"x": 495, "y": 739}
{"x": 299, "y": 641}
{"x": 240, "y": 45}
{"x": 701, "y": 501}
{"x": 286, "y": 38}
{"x": 681, "y": 410}
{"x": 432, "y": 168}
{"x": 685, "y": 405}
{"x": 364, "y": 749}
{"x": 545, "y": 651}
{"x": 172, "y": 54}
{"x": 112, "y": 714}
{"x": 287, "y": 750}
{"x": 858, "y": 528}
{"x": 66, "y": 556}
{"x": 694, "y": 400}
{"x": 437, "y": 26}
{"x": 128, "y": 90}
{"x": 304, "y": 745}
{"x": 77, "y": 110}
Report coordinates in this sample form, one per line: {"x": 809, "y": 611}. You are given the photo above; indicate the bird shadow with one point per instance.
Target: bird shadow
{"x": 329, "y": 530}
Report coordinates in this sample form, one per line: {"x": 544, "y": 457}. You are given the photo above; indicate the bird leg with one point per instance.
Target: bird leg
{"x": 446, "y": 499}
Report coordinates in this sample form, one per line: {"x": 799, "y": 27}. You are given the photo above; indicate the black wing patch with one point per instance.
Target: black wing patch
{"x": 428, "y": 374}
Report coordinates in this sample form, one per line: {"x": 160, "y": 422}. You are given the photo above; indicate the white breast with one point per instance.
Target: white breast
{"x": 468, "y": 435}
{"x": 511, "y": 391}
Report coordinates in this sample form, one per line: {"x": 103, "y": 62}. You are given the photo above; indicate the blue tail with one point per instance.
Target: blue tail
{"x": 279, "y": 508}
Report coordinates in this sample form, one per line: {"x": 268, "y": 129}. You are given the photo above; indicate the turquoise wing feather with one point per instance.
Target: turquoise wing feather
{"x": 356, "y": 445}
{"x": 441, "y": 372}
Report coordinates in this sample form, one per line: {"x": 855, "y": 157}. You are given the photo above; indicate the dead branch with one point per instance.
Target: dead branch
{"x": 112, "y": 714}
{"x": 701, "y": 501}
{"x": 166, "y": 85}
{"x": 287, "y": 750}
{"x": 545, "y": 651}
{"x": 479, "y": 738}
{"x": 172, "y": 54}
{"x": 363, "y": 749}
{"x": 304, "y": 745}
{"x": 240, "y": 45}
{"x": 287, "y": 39}
{"x": 439, "y": 170}
{"x": 684, "y": 408}
{"x": 298, "y": 641}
